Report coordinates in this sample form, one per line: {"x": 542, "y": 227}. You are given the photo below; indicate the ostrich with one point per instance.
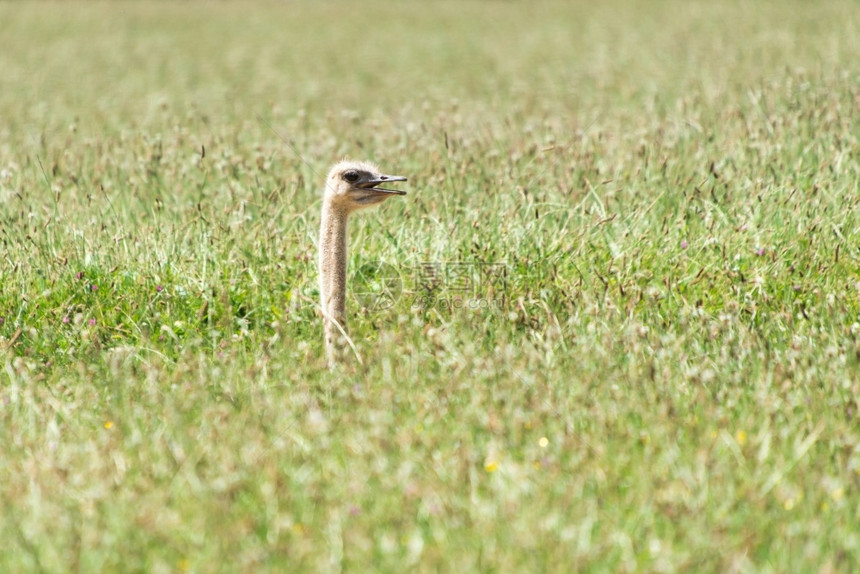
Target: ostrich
{"x": 350, "y": 186}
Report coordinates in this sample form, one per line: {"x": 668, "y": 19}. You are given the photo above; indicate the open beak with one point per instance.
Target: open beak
{"x": 372, "y": 184}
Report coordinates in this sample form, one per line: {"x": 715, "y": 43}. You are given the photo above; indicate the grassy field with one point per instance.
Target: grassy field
{"x": 625, "y": 337}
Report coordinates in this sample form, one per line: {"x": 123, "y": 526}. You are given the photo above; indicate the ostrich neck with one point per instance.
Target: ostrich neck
{"x": 332, "y": 269}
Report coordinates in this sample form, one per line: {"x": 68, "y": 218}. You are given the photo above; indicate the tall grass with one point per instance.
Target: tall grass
{"x": 624, "y": 336}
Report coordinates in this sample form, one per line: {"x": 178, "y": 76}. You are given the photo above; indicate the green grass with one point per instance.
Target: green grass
{"x": 666, "y": 377}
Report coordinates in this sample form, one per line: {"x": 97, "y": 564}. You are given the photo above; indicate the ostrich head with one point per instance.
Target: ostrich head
{"x": 353, "y": 185}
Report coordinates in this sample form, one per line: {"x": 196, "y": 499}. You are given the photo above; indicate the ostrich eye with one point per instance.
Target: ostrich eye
{"x": 351, "y": 176}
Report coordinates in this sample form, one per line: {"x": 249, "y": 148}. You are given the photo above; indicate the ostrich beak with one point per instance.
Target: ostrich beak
{"x": 379, "y": 180}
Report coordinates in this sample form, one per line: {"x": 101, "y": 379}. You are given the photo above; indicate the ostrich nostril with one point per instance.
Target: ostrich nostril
{"x": 383, "y": 177}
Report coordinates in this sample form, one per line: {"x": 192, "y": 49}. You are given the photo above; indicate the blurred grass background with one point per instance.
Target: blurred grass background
{"x": 668, "y": 382}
